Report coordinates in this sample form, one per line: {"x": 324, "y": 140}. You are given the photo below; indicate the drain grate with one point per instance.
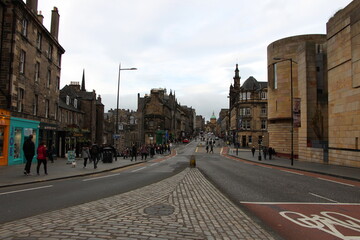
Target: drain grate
{"x": 160, "y": 210}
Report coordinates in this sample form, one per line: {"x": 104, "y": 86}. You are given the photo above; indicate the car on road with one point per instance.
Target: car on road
{"x": 185, "y": 140}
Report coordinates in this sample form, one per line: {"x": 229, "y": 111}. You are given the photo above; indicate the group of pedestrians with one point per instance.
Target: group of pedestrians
{"x": 210, "y": 145}
{"x": 94, "y": 154}
{"x": 266, "y": 151}
{"x": 42, "y": 154}
{"x": 146, "y": 150}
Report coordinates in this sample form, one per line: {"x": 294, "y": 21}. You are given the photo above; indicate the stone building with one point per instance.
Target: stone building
{"x": 248, "y": 112}
{"x": 223, "y": 123}
{"x": 199, "y": 124}
{"x": 162, "y": 118}
{"x": 128, "y": 130}
{"x": 343, "y": 69}
{"x": 297, "y": 76}
{"x": 29, "y": 77}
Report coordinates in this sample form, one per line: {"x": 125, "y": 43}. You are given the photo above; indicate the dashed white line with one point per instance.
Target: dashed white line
{"x": 138, "y": 169}
{"x": 95, "y": 178}
{"x": 153, "y": 164}
{"x": 293, "y": 172}
{"x": 335, "y": 182}
{"x": 28, "y": 189}
{"x": 316, "y": 195}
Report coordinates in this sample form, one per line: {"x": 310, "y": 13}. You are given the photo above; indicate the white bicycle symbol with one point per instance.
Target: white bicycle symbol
{"x": 327, "y": 222}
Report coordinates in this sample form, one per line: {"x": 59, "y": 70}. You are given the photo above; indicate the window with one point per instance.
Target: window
{"x": 247, "y": 112}
{"x": 38, "y": 40}
{"x": 37, "y": 72}
{"x": 263, "y": 124}
{"x": 20, "y": 103}
{"x": 48, "y": 82}
{"x": 263, "y": 95}
{"x": 67, "y": 100}
{"x": 250, "y": 139}
{"x": 24, "y": 26}
{"x": 263, "y": 111}
{"x": 17, "y": 142}
{"x": 35, "y": 105}
{"x": 59, "y": 59}
{"x": 56, "y": 109}
{"x": 22, "y": 61}
{"x": 47, "y": 108}
{"x": 275, "y": 76}
{"x": 50, "y": 50}
{"x": 57, "y": 83}
{"x": 246, "y": 125}
{"x": 75, "y": 103}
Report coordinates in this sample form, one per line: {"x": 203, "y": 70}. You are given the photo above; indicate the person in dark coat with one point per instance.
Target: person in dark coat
{"x": 133, "y": 152}
{"x": 265, "y": 152}
{"x": 29, "y": 152}
{"x": 270, "y": 151}
{"x": 94, "y": 152}
{"x": 253, "y": 151}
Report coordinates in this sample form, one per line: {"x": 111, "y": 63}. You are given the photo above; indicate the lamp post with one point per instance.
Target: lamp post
{"x": 117, "y": 100}
{"x": 279, "y": 59}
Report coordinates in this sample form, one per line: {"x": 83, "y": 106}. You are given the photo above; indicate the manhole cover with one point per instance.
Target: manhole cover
{"x": 159, "y": 210}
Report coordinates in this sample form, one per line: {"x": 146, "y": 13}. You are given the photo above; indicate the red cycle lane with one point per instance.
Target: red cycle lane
{"x": 299, "y": 221}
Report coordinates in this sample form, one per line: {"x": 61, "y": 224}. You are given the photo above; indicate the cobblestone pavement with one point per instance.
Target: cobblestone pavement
{"x": 185, "y": 206}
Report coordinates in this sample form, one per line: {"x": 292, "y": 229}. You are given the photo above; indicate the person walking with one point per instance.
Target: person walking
{"x": 29, "y": 152}
{"x": 253, "y": 151}
{"x": 41, "y": 158}
{"x": 133, "y": 152}
{"x": 265, "y": 152}
{"x": 50, "y": 153}
{"x": 211, "y": 147}
{"x": 94, "y": 152}
{"x": 144, "y": 152}
{"x": 270, "y": 153}
{"x": 85, "y": 154}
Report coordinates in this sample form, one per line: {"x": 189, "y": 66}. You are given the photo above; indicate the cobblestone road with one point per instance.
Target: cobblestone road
{"x": 185, "y": 206}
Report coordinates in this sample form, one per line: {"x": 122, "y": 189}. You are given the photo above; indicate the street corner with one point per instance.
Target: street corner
{"x": 298, "y": 221}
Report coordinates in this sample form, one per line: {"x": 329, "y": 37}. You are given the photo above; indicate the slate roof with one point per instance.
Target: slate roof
{"x": 251, "y": 84}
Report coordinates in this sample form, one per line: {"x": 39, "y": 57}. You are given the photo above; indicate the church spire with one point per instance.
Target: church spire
{"x": 83, "y": 82}
{"x": 237, "y": 77}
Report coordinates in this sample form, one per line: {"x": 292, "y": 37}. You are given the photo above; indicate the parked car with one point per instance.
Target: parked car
{"x": 186, "y": 140}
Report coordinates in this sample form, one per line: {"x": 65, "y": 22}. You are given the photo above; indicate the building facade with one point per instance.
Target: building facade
{"x": 343, "y": 69}
{"x": 30, "y": 69}
{"x": 248, "y": 112}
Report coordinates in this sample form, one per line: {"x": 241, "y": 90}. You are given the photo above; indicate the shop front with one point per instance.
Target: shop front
{"x": 4, "y": 136}
{"x": 19, "y": 131}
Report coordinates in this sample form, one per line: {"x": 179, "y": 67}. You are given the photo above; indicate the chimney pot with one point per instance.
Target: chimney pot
{"x": 55, "y": 23}
{"x": 32, "y": 4}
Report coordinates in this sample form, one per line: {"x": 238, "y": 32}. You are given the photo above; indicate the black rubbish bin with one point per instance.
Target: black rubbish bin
{"x": 108, "y": 155}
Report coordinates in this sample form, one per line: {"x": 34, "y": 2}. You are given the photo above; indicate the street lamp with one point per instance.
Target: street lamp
{"x": 117, "y": 104}
{"x": 279, "y": 59}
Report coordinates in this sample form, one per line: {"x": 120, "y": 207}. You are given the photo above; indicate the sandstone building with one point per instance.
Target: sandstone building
{"x": 248, "y": 112}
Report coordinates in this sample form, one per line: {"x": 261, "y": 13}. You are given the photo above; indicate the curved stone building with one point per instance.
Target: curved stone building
{"x": 298, "y": 94}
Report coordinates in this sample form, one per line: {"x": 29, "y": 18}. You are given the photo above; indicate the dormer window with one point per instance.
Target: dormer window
{"x": 67, "y": 100}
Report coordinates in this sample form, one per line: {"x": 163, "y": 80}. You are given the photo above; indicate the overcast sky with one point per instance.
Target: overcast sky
{"x": 187, "y": 46}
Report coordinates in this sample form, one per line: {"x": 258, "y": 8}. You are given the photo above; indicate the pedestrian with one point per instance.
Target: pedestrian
{"x": 207, "y": 148}
{"x": 144, "y": 152}
{"x": 253, "y": 151}
{"x": 211, "y": 148}
{"x": 265, "y": 152}
{"x": 41, "y": 158}
{"x": 133, "y": 152}
{"x": 94, "y": 152}
{"x": 50, "y": 153}
{"x": 152, "y": 150}
{"x": 85, "y": 154}
{"x": 29, "y": 152}
{"x": 270, "y": 151}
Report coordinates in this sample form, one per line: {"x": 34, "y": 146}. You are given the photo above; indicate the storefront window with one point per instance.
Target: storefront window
{"x": 2, "y": 133}
{"x": 17, "y": 142}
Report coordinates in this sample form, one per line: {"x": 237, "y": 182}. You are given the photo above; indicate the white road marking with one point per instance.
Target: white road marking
{"x": 95, "y": 178}
{"x": 293, "y": 172}
{"x": 24, "y": 190}
{"x": 295, "y": 203}
{"x": 335, "y": 182}
{"x": 138, "y": 169}
{"x": 153, "y": 164}
{"x": 323, "y": 197}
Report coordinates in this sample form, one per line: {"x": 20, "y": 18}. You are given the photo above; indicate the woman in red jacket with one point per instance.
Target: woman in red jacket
{"x": 41, "y": 157}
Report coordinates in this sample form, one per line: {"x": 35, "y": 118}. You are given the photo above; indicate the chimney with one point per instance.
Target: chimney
{"x": 40, "y": 17}
{"x": 32, "y": 4}
{"x": 55, "y": 23}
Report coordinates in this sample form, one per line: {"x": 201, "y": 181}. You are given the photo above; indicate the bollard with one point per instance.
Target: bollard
{"x": 192, "y": 161}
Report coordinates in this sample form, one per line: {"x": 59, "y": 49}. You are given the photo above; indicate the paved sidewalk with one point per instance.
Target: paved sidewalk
{"x": 185, "y": 206}
{"x": 331, "y": 170}
{"x": 14, "y": 175}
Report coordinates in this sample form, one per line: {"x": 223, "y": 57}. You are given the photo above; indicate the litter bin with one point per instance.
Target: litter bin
{"x": 108, "y": 155}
